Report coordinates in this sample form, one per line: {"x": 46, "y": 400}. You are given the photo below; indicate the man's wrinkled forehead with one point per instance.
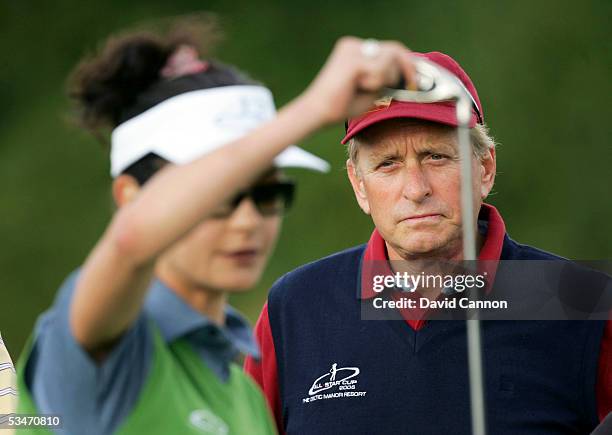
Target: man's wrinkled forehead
{"x": 400, "y": 134}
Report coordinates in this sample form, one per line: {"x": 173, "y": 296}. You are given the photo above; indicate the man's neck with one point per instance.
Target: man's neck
{"x": 453, "y": 253}
{"x": 432, "y": 263}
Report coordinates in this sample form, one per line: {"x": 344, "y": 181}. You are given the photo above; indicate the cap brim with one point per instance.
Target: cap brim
{"x": 296, "y": 157}
{"x": 442, "y": 112}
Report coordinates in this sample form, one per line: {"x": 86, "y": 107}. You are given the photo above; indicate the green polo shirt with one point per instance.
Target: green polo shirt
{"x": 173, "y": 372}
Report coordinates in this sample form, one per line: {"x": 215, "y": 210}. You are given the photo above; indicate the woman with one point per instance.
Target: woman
{"x": 140, "y": 338}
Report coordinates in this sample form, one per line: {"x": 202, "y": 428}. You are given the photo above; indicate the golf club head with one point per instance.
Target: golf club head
{"x": 435, "y": 83}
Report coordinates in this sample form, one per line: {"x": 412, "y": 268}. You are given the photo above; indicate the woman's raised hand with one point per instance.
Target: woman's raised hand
{"x": 354, "y": 74}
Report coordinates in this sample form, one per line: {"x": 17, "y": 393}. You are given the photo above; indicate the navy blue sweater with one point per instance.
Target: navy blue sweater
{"x": 339, "y": 374}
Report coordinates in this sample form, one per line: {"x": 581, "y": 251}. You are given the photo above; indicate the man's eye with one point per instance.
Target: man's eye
{"x": 435, "y": 156}
{"x": 386, "y": 163}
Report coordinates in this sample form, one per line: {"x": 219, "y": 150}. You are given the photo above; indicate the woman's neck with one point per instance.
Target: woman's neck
{"x": 208, "y": 302}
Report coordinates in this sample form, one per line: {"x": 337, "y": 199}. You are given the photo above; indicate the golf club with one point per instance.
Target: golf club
{"x": 435, "y": 84}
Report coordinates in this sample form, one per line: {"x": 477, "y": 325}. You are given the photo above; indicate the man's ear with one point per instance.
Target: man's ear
{"x": 358, "y": 186}
{"x": 488, "y": 166}
{"x": 125, "y": 189}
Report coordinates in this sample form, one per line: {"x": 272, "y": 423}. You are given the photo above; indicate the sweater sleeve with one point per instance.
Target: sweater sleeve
{"x": 264, "y": 371}
{"x": 604, "y": 374}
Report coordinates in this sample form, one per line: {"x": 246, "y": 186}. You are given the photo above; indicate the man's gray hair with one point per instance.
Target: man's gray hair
{"x": 482, "y": 141}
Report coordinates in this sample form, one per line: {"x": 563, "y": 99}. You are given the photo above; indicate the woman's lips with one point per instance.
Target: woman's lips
{"x": 242, "y": 255}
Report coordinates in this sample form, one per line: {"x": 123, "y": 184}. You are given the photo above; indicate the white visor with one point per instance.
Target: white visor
{"x": 187, "y": 126}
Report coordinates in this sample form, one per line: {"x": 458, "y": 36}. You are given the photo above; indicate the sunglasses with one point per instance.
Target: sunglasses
{"x": 270, "y": 199}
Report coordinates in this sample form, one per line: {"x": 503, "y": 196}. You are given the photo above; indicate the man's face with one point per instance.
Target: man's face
{"x": 407, "y": 177}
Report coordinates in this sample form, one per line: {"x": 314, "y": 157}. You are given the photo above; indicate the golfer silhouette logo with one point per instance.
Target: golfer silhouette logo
{"x": 333, "y": 372}
{"x": 335, "y": 377}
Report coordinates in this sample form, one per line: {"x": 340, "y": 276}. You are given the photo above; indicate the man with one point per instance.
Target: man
{"x": 400, "y": 377}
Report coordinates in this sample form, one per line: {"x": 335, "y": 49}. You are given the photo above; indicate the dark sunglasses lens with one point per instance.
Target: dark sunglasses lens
{"x": 270, "y": 199}
{"x": 273, "y": 199}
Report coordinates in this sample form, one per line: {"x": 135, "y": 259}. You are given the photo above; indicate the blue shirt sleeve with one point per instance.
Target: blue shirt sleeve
{"x": 91, "y": 397}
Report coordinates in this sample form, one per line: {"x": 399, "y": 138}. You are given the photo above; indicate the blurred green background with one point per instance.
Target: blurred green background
{"x": 542, "y": 69}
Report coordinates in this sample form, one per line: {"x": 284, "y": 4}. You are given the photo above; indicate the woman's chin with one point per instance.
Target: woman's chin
{"x": 239, "y": 284}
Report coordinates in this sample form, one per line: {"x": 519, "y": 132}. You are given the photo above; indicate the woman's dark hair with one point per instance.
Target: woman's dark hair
{"x": 123, "y": 79}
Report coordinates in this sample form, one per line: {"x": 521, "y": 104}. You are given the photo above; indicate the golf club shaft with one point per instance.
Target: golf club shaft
{"x": 474, "y": 345}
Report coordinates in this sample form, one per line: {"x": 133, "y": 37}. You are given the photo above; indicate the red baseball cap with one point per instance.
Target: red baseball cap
{"x": 442, "y": 112}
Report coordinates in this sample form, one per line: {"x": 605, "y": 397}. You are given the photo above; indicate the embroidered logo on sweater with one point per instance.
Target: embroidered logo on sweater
{"x": 339, "y": 382}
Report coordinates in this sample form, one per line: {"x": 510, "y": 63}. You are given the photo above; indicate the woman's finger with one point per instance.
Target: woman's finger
{"x": 382, "y": 64}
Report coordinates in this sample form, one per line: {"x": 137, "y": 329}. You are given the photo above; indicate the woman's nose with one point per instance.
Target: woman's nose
{"x": 245, "y": 216}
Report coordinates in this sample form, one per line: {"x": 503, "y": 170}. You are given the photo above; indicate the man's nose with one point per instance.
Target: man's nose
{"x": 245, "y": 217}
{"x": 416, "y": 186}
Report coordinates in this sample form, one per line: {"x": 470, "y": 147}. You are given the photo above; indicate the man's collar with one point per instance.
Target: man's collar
{"x": 376, "y": 257}
{"x": 496, "y": 231}
{"x": 176, "y": 319}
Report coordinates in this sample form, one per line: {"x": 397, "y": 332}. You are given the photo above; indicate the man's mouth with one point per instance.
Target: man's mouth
{"x": 425, "y": 217}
